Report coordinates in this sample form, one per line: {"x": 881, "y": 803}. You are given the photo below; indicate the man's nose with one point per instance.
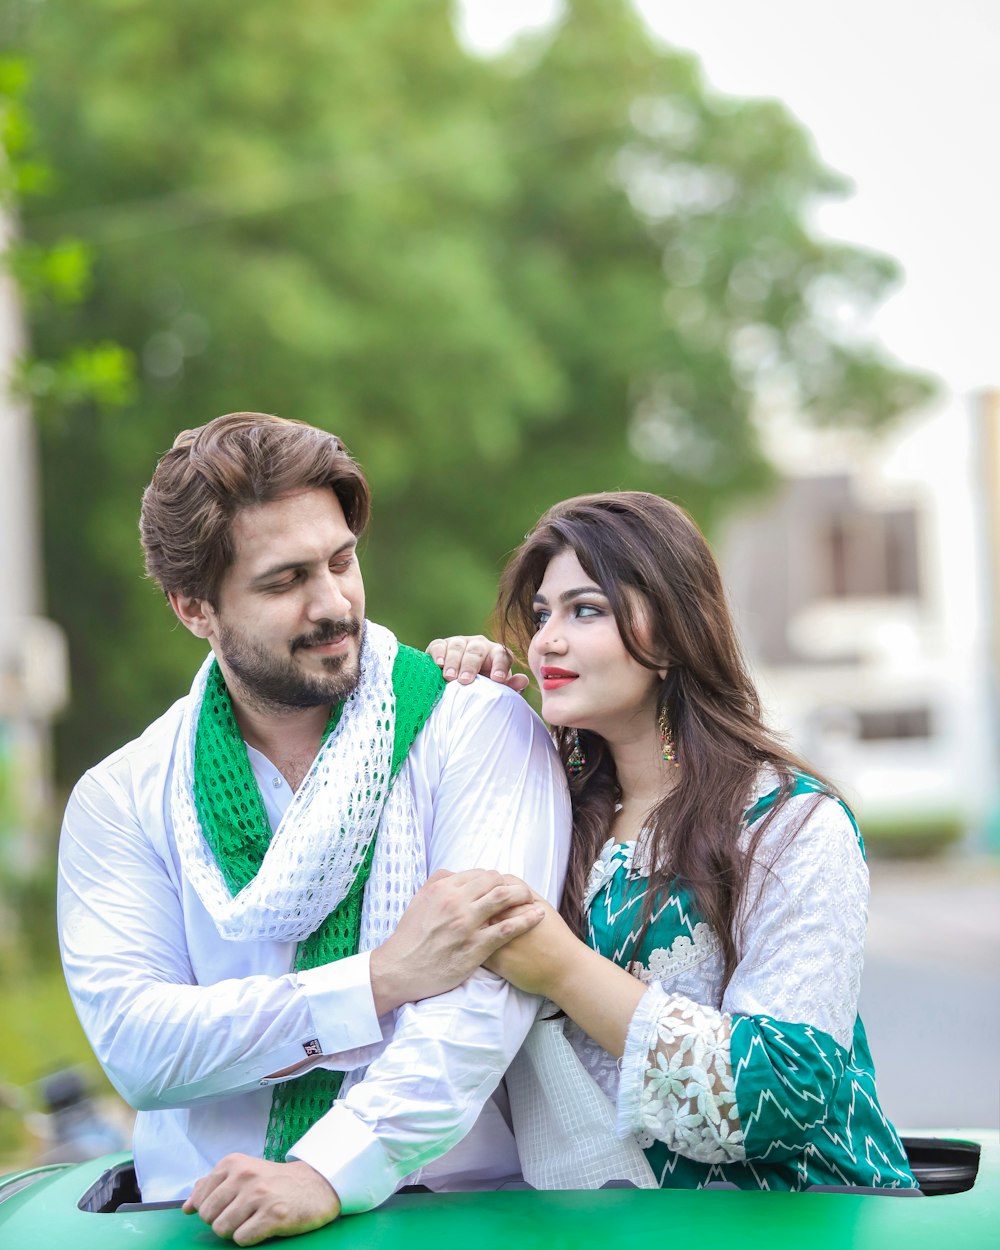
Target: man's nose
{"x": 328, "y": 599}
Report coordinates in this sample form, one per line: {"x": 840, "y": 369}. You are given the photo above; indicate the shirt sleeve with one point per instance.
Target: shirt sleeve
{"x": 756, "y": 1075}
{"x": 499, "y": 801}
{"x": 164, "y": 1039}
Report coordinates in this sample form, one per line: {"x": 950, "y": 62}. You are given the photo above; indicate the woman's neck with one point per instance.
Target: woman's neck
{"x": 644, "y": 779}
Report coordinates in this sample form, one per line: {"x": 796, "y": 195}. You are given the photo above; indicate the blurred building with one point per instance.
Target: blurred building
{"x": 867, "y": 591}
{"x": 32, "y": 650}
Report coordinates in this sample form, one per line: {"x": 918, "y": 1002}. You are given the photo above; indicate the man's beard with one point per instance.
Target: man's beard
{"x": 270, "y": 682}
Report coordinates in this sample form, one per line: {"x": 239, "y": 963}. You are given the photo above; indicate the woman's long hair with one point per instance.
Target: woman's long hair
{"x": 637, "y": 544}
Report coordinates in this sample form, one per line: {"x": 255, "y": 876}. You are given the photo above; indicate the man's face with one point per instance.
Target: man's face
{"x": 287, "y": 626}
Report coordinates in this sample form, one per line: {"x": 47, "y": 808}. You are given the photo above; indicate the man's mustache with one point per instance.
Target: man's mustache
{"x": 328, "y": 631}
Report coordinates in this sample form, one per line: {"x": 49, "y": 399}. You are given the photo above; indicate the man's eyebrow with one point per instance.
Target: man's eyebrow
{"x": 568, "y": 595}
{"x": 277, "y": 569}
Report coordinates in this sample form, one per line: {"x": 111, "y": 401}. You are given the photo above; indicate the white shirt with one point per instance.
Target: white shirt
{"x": 187, "y": 1025}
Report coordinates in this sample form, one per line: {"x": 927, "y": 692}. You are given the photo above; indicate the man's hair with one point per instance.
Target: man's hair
{"x": 237, "y": 461}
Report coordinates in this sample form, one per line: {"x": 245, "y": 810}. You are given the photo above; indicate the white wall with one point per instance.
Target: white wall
{"x": 932, "y": 651}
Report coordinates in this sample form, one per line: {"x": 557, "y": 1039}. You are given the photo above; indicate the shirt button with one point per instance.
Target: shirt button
{"x": 276, "y": 782}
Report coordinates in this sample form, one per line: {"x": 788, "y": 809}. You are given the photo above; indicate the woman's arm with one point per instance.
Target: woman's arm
{"x": 597, "y": 994}
{"x": 757, "y": 1075}
{"x": 672, "y": 1050}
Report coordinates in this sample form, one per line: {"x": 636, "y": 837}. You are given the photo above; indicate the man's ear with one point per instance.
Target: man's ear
{"x": 197, "y": 615}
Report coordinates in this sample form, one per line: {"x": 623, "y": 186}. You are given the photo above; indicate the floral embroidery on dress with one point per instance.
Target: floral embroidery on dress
{"x": 613, "y": 855}
{"x": 683, "y": 953}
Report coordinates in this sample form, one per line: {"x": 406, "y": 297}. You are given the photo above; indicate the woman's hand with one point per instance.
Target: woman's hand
{"x": 549, "y": 960}
{"x": 467, "y": 656}
{"x": 538, "y": 960}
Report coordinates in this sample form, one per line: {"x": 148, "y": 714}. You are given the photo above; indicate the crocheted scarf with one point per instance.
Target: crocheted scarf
{"x": 234, "y": 824}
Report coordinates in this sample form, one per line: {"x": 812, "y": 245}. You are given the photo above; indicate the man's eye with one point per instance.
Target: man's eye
{"x": 277, "y": 587}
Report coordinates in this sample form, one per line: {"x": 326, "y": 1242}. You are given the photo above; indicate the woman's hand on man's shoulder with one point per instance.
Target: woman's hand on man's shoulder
{"x": 463, "y": 657}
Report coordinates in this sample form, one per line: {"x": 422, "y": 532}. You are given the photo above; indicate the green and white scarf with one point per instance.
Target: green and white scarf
{"x": 307, "y": 882}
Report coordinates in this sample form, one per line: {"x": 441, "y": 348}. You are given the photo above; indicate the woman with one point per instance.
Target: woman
{"x": 710, "y": 942}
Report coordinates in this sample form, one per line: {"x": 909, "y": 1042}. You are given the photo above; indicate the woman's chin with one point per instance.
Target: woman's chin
{"x": 559, "y": 718}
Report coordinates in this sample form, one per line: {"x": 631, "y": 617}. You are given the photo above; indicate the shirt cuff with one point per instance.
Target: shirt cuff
{"x": 346, "y": 1151}
{"x": 341, "y": 1002}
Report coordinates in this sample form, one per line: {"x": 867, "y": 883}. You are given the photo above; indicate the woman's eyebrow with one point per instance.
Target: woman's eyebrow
{"x": 568, "y": 595}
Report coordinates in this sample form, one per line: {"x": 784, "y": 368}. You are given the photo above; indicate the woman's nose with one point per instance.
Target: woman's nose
{"x": 551, "y": 639}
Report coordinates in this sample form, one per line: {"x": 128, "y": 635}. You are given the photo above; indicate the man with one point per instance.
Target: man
{"x": 234, "y": 884}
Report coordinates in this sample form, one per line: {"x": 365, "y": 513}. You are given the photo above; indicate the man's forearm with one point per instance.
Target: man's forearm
{"x": 423, "y": 1093}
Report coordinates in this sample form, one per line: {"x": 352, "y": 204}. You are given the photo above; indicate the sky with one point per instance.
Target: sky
{"x": 902, "y": 96}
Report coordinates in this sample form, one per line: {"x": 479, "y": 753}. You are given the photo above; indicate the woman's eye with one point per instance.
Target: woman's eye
{"x": 587, "y": 609}
{"x": 540, "y": 616}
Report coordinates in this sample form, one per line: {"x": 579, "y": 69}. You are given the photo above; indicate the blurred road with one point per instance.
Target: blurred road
{"x": 930, "y": 998}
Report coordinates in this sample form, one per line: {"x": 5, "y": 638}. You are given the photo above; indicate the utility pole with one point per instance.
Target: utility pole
{"x": 33, "y": 669}
{"x": 987, "y": 469}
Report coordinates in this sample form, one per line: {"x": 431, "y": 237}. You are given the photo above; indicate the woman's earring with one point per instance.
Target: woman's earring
{"x": 666, "y": 738}
{"x": 576, "y": 759}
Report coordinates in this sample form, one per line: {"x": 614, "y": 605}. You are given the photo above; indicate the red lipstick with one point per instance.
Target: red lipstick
{"x": 553, "y": 678}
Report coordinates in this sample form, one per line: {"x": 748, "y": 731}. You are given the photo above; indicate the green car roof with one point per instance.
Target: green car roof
{"x": 40, "y": 1209}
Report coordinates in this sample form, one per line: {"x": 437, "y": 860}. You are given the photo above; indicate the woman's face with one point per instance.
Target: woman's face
{"x": 587, "y": 678}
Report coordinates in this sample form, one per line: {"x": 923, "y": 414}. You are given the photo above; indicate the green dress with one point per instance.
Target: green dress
{"x": 768, "y": 1083}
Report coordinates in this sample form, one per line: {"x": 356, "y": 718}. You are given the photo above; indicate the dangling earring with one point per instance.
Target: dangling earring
{"x": 666, "y": 739}
{"x": 576, "y": 759}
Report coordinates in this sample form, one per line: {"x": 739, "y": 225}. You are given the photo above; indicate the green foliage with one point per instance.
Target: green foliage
{"x": 101, "y": 373}
{"x": 501, "y": 282}
{"x": 41, "y": 1007}
{"x": 49, "y": 277}
{"x": 19, "y": 174}
{"x": 61, "y": 271}
{"x": 916, "y": 833}
{"x": 37, "y": 1005}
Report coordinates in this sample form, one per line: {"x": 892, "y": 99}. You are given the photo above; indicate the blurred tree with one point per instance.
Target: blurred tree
{"x": 47, "y": 278}
{"x": 501, "y": 282}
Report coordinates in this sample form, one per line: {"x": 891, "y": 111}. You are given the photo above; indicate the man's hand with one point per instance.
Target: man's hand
{"x": 466, "y": 656}
{"x": 452, "y": 925}
{"x": 248, "y": 1200}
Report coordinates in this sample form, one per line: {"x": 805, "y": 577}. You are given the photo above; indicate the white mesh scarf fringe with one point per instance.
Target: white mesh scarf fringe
{"x": 314, "y": 854}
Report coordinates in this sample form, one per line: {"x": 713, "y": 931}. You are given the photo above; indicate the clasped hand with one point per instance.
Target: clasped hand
{"x": 536, "y": 960}
{"x": 459, "y": 921}
{"x": 248, "y": 1200}
{"x": 452, "y": 925}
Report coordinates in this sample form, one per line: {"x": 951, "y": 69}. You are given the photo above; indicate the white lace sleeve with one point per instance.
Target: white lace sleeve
{"x": 677, "y": 1081}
